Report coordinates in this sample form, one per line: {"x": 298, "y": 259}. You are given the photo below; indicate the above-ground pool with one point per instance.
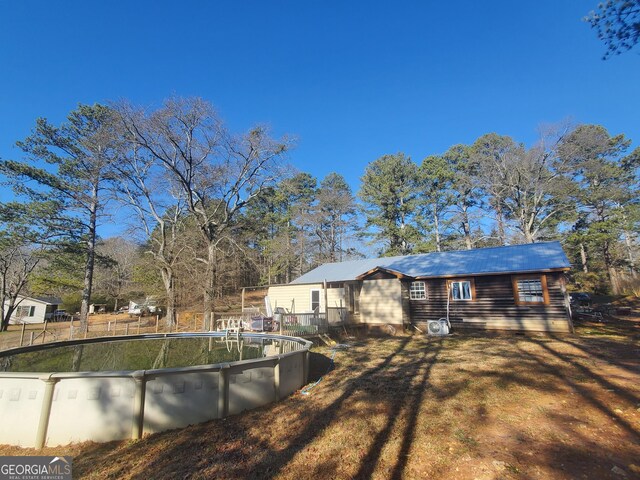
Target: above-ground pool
{"x": 121, "y": 387}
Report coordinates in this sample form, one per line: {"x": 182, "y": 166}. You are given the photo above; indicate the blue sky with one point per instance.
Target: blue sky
{"x": 351, "y": 80}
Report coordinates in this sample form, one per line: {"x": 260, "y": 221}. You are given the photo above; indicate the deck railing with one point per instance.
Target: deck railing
{"x": 303, "y": 324}
{"x": 291, "y": 324}
{"x": 337, "y": 315}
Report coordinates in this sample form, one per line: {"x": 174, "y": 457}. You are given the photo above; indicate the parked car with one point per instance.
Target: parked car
{"x": 138, "y": 310}
{"x": 60, "y": 315}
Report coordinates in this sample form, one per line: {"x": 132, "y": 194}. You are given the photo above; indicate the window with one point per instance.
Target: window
{"x": 418, "y": 291}
{"x": 25, "y": 311}
{"x": 530, "y": 290}
{"x": 462, "y": 290}
{"x": 315, "y": 300}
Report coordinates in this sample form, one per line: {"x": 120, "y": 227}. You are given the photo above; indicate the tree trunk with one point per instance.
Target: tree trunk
{"x": 613, "y": 278}
{"x": 403, "y": 244}
{"x": 629, "y": 246}
{"x": 467, "y": 237}
{"x": 162, "y": 357}
{"x": 88, "y": 270}
{"x": 268, "y": 266}
{"x": 606, "y": 254}
{"x": 436, "y": 222}
{"x": 500, "y": 219}
{"x": 583, "y": 258}
{"x": 466, "y": 228}
{"x": 528, "y": 236}
{"x": 287, "y": 271}
{"x": 3, "y": 295}
{"x": 78, "y": 350}
{"x": 7, "y": 312}
{"x": 332, "y": 244}
{"x": 210, "y": 280}
{"x": 168, "y": 280}
{"x": 302, "y": 247}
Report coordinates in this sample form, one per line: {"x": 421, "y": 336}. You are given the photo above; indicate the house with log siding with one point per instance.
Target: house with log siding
{"x": 517, "y": 287}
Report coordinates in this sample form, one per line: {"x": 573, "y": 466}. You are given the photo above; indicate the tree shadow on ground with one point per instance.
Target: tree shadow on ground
{"x": 319, "y": 366}
{"x": 320, "y": 420}
{"x": 394, "y": 408}
{"x": 582, "y": 390}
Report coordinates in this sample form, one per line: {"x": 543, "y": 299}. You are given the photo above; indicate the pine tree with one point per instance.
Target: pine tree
{"x": 70, "y": 165}
{"x": 389, "y": 192}
{"x": 608, "y": 187}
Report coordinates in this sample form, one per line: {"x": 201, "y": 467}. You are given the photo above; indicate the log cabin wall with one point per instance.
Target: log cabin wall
{"x": 493, "y": 306}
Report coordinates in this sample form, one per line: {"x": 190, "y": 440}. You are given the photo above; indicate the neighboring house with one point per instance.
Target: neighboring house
{"x": 519, "y": 287}
{"x": 34, "y": 309}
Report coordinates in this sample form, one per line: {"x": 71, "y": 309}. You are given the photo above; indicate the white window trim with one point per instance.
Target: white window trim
{"x": 311, "y": 299}
{"x": 31, "y": 311}
{"x": 460, "y": 282}
{"x": 423, "y": 291}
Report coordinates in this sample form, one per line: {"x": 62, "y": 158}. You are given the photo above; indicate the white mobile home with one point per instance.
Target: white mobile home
{"x": 33, "y": 309}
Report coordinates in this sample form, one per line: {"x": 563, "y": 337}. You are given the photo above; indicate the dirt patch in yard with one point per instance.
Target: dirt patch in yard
{"x": 462, "y": 407}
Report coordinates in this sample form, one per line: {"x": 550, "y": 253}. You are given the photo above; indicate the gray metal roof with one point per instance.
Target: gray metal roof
{"x": 530, "y": 257}
{"x": 47, "y": 300}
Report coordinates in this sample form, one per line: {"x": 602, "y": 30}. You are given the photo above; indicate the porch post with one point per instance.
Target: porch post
{"x": 326, "y": 301}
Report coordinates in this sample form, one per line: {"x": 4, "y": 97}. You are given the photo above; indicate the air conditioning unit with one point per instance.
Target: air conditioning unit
{"x": 438, "y": 327}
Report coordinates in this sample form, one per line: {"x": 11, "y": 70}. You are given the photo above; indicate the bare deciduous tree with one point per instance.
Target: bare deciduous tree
{"x": 538, "y": 190}
{"x": 494, "y": 156}
{"x": 17, "y": 262}
{"x": 159, "y": 208}
{"x": 216, "y": 173}
{"x": 115, "y": 276}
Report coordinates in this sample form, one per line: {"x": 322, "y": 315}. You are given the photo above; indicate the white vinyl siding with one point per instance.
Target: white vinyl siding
{"x": 381, "y": 302}
{"x": 30, "y": 310}
{"x": 298, "y": 297}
